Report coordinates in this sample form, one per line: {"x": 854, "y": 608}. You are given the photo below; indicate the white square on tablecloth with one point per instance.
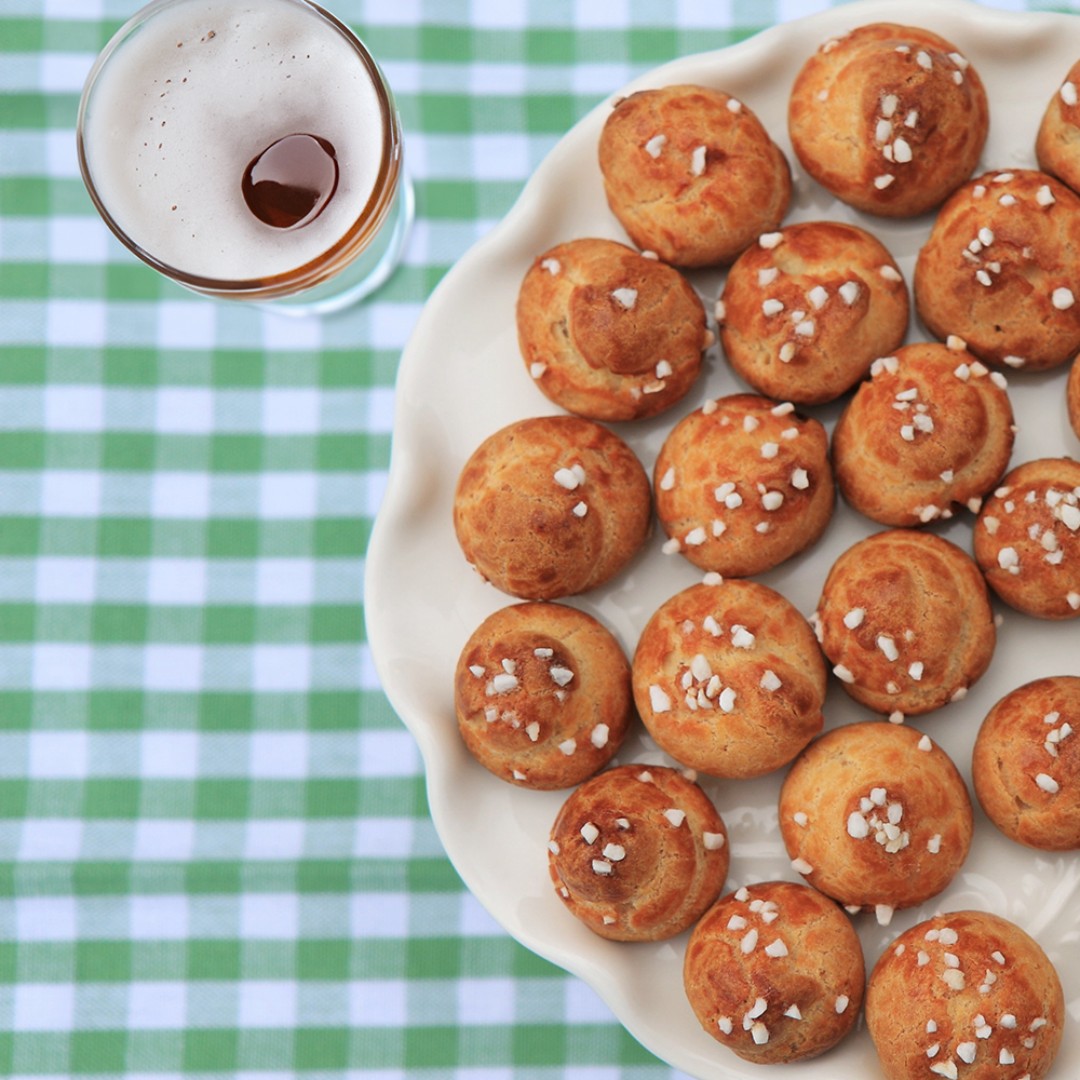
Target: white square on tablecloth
{"x": 61, "y": 666}
{"x": 498, "y": 14}
{"x": 291, "y": 411}
{"x": 184, "y": 410}
{"x": 58, "y": 755}
{"x": 379, "y": 413}
{"x": 474, "y": 920}
{"x": 163, "y": 840}
{"x": 288, "y": 495}
{"x": 269, "y": 1003}
{"x": 89, "y": 10}
{"x": 158, "y": 918}
{"x": 74, "y": 408}
{"x": 278, "y": 755}
{"x": 485, "y": 1001}
{"x": 391, "y": 324}
{"x": 500, "y": 157}
{"x": 77, "y": 323}
{"x": 172, "y": 667}
{"x": 369, "y": 677}
{"x": 379, "y": 1003}
{"x": 157, "y": 1005}
{"x": 399, "y": 13}
{"x": 284, "y": 581}
{"x": 186, "y": 324}
{"x": 497, "y": 79}
{"x": 60, "y": 579}
{"x": 374, "y": 491}
{"x": 46, "y": 918}
{"x": 611, "y": 15}
{"x": 176, "y": 581}
{"x": 43, "y": 1007}
{"x": 287, "y": 333}
{"x": 379, "y": 915}
{"x": 180, "y": 494}
{"x": 70, "y": 493}
{"x": 50, "y": 839}
{"x": 272, "y": 916}
{"x": 274, "y": 839}
{"x": 277, "y": 668}
{"x": 584, "y": 1005}
{"x": 590, "y": 80}
{"x": 83, "y": 240}
{"x": 383, "y": 838}
{"x": 64, "y": 72}
{"x": 169, "y": 755}
{"x": 387, "y": 753}
{"x": 718, "y": 13}
{"x": 61, "y": 155}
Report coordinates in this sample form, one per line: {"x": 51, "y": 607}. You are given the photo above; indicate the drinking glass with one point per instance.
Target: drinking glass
{"x": 248, "y": 151}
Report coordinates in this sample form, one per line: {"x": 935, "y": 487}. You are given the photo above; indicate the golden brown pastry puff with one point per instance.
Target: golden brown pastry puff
{"x": 551, "y": 506}
{"x": 728, "y": 679}
{"x": 876, "y": 816}
{"x": 692, "y": 174}
{"x": 1025, "y": 767}
{"x": 607, "y": 333}
{"x": 891, "y": 119}
{"x": 742, "y": 484}
{"x": 806, "y": 310}
{"x": 905, "y": 620}
{"x": 542, "y": 694}
{"x": 1001, "y": 267}
{"x": 1057, "y": 143}
{"x": 965, "y": 995}
{"x": 638, "y": 852}
{"x": 1073, "y": 396}
{"x": 1027, "y": 538}
{"x": 775, "y": 972}
{"x": 930, "y": 431}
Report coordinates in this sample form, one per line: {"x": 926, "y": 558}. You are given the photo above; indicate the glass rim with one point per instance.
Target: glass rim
{"x": 335, "y": 256}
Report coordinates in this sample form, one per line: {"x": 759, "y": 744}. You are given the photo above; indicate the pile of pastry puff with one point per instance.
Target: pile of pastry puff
{"x": 728, "y": 678}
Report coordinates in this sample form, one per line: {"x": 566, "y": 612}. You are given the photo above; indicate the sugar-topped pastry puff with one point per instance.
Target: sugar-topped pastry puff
{"x": 1025, "y": 766}
{"x": 742, "y": 484}
{"x": 1057, "y": 142}
{"x": 607, "y": 333}
{"x": 774, "y": 971}
{"x": 542, "y": 694}
{"x": 551, "y": 506}
{"x": 638, "y": 852}
{"x": 1027, "y": 538}
{"x": 1072, "y": 396}
{"x": 877, "y": 816}
{"x": 905, "y": 621}
{"x": 808, "y": 308}
{"x": 1001, "y": 268}
{"x": 965, "y": 994}
{"x": 890, "y": 119}
{"x": 691, "y": 174}
{"x": 929, "y": 432}
{"x": 728, "y": 678}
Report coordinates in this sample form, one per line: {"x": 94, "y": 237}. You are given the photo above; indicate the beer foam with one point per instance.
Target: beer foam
{"x": 187, "y": 101}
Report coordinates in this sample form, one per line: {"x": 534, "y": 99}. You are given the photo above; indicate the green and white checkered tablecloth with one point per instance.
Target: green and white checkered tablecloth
{"x": 215, "y": 856}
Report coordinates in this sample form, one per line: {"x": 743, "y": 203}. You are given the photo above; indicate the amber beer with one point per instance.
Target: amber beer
{"x": 247, "y": 149}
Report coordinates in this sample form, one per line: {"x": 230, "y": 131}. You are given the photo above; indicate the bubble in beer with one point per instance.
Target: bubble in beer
{"x": 289, "y": 183}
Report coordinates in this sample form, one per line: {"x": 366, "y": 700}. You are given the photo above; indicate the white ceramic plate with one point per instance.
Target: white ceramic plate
{"x": 461, "y": 378}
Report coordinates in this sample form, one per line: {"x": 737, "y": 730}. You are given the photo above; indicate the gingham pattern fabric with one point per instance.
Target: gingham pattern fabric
{"x": 215, "y": 856}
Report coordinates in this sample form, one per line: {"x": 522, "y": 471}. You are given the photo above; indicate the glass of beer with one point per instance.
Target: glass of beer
{"x": 248, "y": 150}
